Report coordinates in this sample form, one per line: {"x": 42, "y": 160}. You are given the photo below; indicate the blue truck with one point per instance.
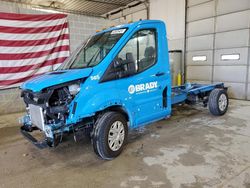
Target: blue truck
{"x": 116, "y": 81}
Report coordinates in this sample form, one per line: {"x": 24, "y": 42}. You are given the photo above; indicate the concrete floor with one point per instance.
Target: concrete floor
{"x": 191, "y": 149}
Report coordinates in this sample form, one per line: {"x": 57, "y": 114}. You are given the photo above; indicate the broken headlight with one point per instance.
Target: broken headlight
{"x": 74, "y": 89}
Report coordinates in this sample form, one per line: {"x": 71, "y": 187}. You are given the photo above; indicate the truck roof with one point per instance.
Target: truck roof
{"x": 130, "y": 25}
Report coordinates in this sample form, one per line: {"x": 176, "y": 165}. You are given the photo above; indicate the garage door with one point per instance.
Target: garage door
{"x": 217, "y": 44}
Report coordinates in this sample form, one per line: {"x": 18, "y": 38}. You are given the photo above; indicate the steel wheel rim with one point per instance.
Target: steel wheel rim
{"x": 222, "y": 102}
{"x": 116, "y": 135}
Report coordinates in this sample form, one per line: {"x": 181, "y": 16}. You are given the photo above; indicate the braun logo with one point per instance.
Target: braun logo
{"x": 139, "y": 88}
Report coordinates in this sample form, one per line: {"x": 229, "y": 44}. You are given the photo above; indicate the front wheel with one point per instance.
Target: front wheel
{"x": 110, "y": 135}
{"x": 218, "y": 102}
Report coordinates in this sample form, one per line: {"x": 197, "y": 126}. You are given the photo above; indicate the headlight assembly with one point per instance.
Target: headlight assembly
{"x": 74, "y": 89}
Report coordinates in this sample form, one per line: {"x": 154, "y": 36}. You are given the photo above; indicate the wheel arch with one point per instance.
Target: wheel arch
{"x": 120, "y": 109}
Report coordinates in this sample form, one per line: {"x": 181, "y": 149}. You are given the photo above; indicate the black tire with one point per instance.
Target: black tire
{"x": 215, "y": 98}
{"x": 101, "y": 133}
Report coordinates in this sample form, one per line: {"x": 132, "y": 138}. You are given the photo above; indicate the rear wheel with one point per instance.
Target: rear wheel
{"x": 218, "y": 102}
{"x": 110, "y": 135}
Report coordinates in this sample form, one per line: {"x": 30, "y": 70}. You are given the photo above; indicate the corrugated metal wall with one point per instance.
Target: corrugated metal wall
{"x": 217, "y": 44}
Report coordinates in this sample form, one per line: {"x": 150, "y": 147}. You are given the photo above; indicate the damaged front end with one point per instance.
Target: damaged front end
{"x": 48, "y": 110}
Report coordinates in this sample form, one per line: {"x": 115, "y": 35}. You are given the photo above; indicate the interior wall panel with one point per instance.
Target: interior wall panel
{"x": 199, "y": 73}
{"x": 233, "y": 21}
{"x": 175, "y": 44}
{"x": 232, "y": 39}
{"x": 201, "y": 11}
{"x": 204, "y": 42}
{"x": 236, "y": 90}
{"x": 200, "y": 27}
{"x": 230, "y": 74}
{"x": 196, "y": 2}
{"x": 228, "y": 6}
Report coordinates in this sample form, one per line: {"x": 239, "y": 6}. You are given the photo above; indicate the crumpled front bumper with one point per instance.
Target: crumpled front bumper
{"x": 52, "y": 133}
{"x": 39, "y": 144}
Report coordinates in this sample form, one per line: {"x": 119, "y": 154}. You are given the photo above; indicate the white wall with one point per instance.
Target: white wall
{"x": 172, "y": 12}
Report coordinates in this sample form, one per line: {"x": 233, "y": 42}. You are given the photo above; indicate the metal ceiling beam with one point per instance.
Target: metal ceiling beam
{"x": 128, "y": 6}
{"x": 35, "y": 6}
{"x": 95, "y": 8}
{"x": 106, "y": 2}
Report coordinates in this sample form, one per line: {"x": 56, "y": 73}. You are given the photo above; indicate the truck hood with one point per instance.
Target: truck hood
{"x": 54, "y": 78}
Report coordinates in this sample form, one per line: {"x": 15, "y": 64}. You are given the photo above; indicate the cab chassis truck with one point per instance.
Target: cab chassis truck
{"x": 116, "y": 81}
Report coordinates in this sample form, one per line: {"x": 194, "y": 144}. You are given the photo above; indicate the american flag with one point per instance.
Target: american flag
{"x": 31, "y": 45}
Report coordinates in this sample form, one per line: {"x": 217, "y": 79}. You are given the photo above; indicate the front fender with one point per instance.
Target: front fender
{"x": 89, "y": 103}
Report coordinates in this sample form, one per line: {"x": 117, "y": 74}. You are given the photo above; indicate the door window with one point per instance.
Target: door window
{"x": 137, "y": 55}
{"x": 147, "y": 49}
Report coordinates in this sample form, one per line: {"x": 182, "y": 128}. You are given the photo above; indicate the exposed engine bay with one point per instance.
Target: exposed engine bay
{"x": 54, "y": 101}
{"x": 48, "y": 109}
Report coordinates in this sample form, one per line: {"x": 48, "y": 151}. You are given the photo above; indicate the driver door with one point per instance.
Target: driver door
{"x": 138, "y": 79}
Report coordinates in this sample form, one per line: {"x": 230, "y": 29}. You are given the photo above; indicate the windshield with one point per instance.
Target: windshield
{"x": 94, "y": 50}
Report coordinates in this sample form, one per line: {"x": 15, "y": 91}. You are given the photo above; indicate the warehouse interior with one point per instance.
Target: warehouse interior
{"x": 208, "y": 43}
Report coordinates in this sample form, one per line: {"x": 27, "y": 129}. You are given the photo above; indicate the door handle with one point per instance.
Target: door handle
{"x": 159, "y": 73}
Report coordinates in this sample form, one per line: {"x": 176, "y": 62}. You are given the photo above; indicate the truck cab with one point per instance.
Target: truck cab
{"x": 119, "y": 79}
